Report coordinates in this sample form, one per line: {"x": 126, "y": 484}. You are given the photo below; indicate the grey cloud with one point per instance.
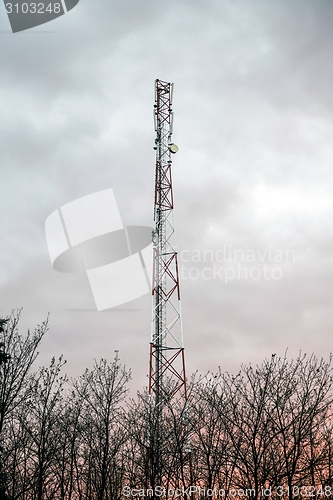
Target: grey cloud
{"x": 253, "y": 120}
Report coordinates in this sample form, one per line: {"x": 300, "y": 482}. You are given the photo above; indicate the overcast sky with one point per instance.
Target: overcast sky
{"x": 253, "y": 106}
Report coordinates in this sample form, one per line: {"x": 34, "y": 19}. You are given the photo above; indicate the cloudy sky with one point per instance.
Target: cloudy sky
{"x": 253, "y": 177}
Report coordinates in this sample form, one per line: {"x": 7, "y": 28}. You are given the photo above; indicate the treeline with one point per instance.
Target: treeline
{"x": 265, "y": 432}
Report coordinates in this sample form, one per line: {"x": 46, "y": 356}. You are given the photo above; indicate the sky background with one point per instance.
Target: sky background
{"x": 253, "y": 106}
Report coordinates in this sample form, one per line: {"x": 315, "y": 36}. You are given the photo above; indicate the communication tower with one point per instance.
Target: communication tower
{"x": 167, "y": 375}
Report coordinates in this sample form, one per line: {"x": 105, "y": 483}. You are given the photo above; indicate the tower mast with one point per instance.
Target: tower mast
{"x": 167, "y": 376}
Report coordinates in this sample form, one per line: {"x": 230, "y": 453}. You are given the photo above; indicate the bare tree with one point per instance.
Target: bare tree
{"x": 267, "y": 428}
{"x": 101, "y": 391}
{"x": 212, "y": 450}
{"x": 272, "y": 420}
{"x": 301, "y": 396}
{"x": 17, "y": 355}
{"x": 66, "y": 464}
{"x": 33, "y": 440}
{"x": 22, "y": 352}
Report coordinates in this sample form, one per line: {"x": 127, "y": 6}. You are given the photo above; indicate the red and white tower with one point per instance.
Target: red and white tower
{"x": 167, "y": 375}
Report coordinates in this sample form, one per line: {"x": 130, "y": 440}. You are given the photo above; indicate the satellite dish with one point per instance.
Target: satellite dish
{"x": 173, "y": 148}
